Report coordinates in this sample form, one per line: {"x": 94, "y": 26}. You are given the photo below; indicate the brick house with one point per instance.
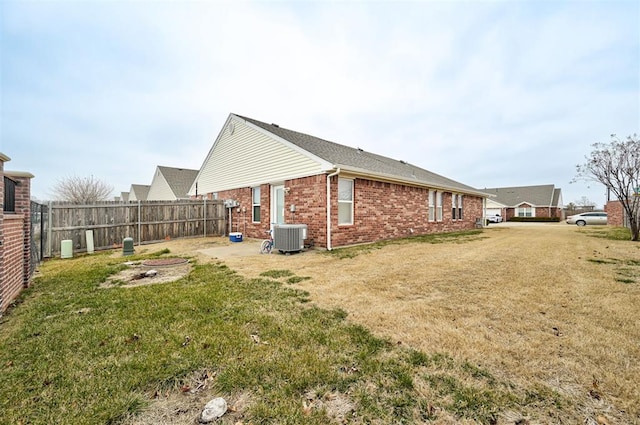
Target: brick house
{"x": 525, "y": 201}
{"x": 15, "y": 233}
{"x": 344, "y": 195}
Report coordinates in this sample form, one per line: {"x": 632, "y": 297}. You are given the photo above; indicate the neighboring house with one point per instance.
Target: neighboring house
{"x": 171, "y": 184}
{"x": 124, "y": 196}
{"x": 138, "y": 192}
{"x": 15, "y": 233}
{"x": 525, "y": 201}
{"x": 344, "y": 195}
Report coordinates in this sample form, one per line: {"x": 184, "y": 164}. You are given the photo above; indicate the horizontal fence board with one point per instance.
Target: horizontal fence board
{"x": 145, "y": 222}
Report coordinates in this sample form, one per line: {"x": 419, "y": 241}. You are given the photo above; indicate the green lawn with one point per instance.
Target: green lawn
{"x": 74, "y": 353}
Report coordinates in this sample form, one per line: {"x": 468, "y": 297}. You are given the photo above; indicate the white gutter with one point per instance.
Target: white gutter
{"x": 329, "y": 207}
{"x": 360, "y": 172}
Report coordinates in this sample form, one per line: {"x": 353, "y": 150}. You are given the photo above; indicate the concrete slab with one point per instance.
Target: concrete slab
{"x": 246, "y": 248}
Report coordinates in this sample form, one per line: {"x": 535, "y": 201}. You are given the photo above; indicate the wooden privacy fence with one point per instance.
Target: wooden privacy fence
{"x": 144, "y": 221}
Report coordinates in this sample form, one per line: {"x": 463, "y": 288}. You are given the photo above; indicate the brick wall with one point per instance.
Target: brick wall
{"x": 381, "y": 211}
{"x": 615, "y": 213}
{"x": 15, "y": 237}
{"x": 13, "y": 267}
{"x": 309, "y": 195}
{"x": 3, "y": 158}
{"x": 242, "y": 215}
{"x": 548, "y": 212}
{"x": 387, "y": 211}
{"x": 23, "y": 209}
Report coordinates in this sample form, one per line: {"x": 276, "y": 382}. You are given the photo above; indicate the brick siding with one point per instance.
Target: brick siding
{"x": 15, "y": 239}
{"x": 615, "y": 213}
{"x": 381, "y": 211}
{"x": 13, "y": 267}
{"x": 548, "y": 212}
{"x": 388, "y": 211}
{"x": 2, "y": 302}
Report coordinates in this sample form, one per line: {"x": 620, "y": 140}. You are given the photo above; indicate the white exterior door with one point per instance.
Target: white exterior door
{"x": 277, "y": 204}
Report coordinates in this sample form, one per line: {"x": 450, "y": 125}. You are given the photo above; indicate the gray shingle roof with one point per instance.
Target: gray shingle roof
{"x": 179, "y": 179}
{"x": 141, "y": 191}
{"x": 542, "y": 196}
{"x": 357, "y": 159}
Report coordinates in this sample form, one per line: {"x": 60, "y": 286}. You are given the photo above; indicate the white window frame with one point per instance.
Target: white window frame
{"x": 344, "y": 202}
{"x": 522, "y": 212}
{"x": 432, "y": 206}
{"x": 438, "y": 206}
{"x": 456, "y": 206}
{"x": 255, "y": 204}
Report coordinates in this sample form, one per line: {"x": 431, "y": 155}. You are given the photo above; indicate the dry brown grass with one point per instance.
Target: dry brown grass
{"x": 528, "y": 303}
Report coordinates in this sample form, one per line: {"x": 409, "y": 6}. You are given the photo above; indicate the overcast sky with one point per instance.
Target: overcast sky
{"x": 488, "y": 93}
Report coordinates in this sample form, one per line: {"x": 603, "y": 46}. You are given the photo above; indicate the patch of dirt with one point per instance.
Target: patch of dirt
{"x": 140, "y": 274}
{"x": 338, "y": 407}
{"x": 184, "y": 404}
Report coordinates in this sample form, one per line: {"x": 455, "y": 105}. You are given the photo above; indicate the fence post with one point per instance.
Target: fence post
{"x": 205, "y": 216}
{"x": 50, "y": 230}
{"x": 42, "y": 231}
{"x": 139, "y": 225}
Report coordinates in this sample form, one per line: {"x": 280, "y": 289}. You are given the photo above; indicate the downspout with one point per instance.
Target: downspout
{"x": 329, "y": 207}
{"x": 484, "y": 211}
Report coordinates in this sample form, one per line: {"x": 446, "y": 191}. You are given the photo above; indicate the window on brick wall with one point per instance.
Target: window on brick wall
{"x": 524, "y": 212}
{"x": 345, "y": 201}
{"x": 9, "y": 195}
{"x": 456, "y": 206}
{"x": 435, "y": 205}
{"x": 432, "y": 205}
{"x": 255, "y": 204}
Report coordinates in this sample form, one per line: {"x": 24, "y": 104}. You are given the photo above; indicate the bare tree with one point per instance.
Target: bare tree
{"x": 616, "y": 165}
{"x": 585, "y": 203}
{"x": 81, "y": 190}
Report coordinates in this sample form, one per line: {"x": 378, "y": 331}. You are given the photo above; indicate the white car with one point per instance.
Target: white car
{"x": 588, "y": 218}
{"x": 494, "y": 218}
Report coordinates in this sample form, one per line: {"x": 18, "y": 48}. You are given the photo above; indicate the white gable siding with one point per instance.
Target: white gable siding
{"x": 249, "y": 157}
{"x": 160, "y": 189}
{"x": 493, "y": 204}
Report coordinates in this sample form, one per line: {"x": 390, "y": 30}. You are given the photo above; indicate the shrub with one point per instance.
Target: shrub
{"x": 536, "y": 219}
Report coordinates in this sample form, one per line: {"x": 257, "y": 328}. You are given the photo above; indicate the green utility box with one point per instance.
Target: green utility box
{"x": 127, "y": 246}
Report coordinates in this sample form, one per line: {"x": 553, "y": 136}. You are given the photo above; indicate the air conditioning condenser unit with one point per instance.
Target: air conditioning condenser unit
{"x": 289, "y": 237}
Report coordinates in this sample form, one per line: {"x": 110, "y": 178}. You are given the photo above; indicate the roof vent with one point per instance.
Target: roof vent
{"x": 360, "y": 150}
{"x": 403, "y": 162}
{"x": 275, "y": 125}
